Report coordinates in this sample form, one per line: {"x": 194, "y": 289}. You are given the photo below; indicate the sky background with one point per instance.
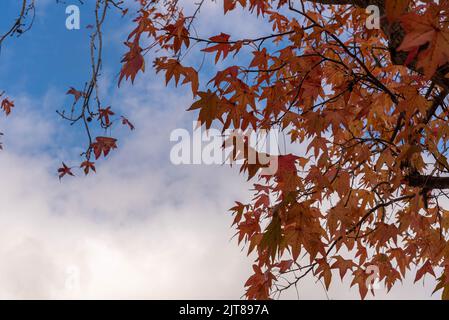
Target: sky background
{"x": 141, "y": 227}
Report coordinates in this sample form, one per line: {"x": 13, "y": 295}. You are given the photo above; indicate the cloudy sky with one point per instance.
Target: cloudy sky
{"x": 141, "y": 227}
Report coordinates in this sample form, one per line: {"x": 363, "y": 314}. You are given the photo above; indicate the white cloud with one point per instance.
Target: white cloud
{"x": 141, "y": 228}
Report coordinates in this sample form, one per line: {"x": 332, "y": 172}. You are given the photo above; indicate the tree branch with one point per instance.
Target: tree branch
{"x": 428, "y": 182}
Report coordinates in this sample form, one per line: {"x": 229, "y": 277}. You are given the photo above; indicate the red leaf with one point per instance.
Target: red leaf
{"x": 222, "y": 46}
{"x": 77, "y": 94}
{"x": 133, "y": 62}
{"x": 284, "y": 265}
{"x": 87, "y": 166}
{"x": 126, "y": 122}
{"x": 64, "y": 170}
{"x": 7, "y": 105}
{"x": 426, "y": 268}
{"x": 103, "y": 115}
{"x": 103, "y": 145}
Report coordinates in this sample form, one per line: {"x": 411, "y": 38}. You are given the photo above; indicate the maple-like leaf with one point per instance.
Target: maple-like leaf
{"x": 87, "y": 166}
{"x": 178, "y": 33}
{"x": 103, "y": 145}
{"x": 426, "y": 268}
{"x": 396, "y": 8}
{"x": 209, "y": 106}
{"x": 442, "y": 284}
{"x": 287, "y": 163}
{"x": 343, "y": 266}
{"x": 230, "y": 4}
{"x": 128, "y": 123}
{"x": 324, "y": 272}
{"x": 222, "y": 46}
{"x": 426, "y": 29}
{"x": 284, "y": 265}
{"x": 360, "y": 279}
{"x": 272, "y": 237}
{"x": 76, "y": 94}
{"x": 174, "y": 70}
{"x": 133, "y": 62}
{"x": 7, "y": 105}
{"x": 104, "y": 114}
{"x": 259, "y": 284}
{"x": 64, "y": 170}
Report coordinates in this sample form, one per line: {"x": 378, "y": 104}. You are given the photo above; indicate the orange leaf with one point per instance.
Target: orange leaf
{"x": 87, "y": 166}
{"x": 426, "y": 268}
{"x": 395, "y": 8}
{"x": 64, "y": 170}
{"x": 7, "y": 105}
{"x": 423, "y": 29}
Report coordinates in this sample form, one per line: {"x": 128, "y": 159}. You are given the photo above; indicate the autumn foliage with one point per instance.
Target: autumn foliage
{"x": 368, "y": 108}
{"x": 6, "y": 105}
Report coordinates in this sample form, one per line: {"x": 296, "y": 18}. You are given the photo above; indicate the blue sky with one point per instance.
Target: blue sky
{"x": 47, "y": 55}
{"x": 141, "y": 227}
{"x": 49, "y": 58}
